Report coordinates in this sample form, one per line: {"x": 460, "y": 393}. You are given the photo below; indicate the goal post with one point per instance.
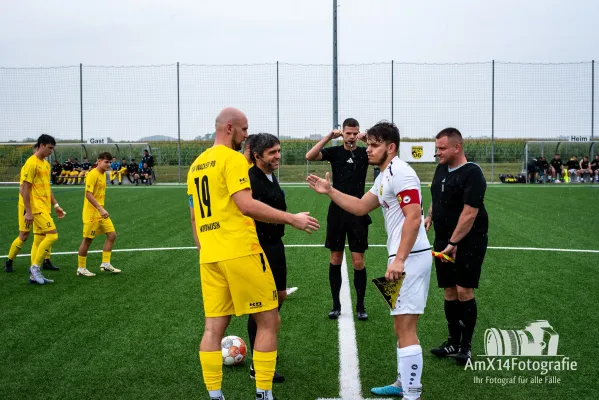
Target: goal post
{"x": 14, "y": 155}
{"x": 548, "y": 149}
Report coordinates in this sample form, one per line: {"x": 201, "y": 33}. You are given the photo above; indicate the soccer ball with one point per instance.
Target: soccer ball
{"x": 233, "y": 349}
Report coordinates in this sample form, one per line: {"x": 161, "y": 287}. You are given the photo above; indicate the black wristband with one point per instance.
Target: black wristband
{"x": 451, "y": 243}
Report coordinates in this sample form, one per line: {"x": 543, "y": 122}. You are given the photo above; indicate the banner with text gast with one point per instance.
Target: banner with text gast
{"x": 417, "y": 151}
{"x": 97, "y": 140}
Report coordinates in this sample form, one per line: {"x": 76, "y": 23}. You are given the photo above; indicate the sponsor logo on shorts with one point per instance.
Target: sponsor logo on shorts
{"x": 255, "y": 305}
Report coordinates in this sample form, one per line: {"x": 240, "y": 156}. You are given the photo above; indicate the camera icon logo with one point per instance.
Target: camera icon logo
{"x": 538, "y": 338}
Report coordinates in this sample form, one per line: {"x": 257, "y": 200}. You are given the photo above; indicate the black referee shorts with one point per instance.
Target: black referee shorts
{"x": 275, "y": 254}
{"x": 465, "y": 272}
{"x": 340, "y": 224}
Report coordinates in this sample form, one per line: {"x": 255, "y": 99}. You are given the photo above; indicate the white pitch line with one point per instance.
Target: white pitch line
{"x": 64, "y": 253}
{"x": 350, "y": 387}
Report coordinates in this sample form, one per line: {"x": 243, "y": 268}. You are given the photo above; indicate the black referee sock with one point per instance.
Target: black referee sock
{"x": 452, "y": 314}
{"x": 335, "y": 281}
{"x": 252, "y": 329}
{"x": 360, "y": 286}
{"x": 468, "y": 314}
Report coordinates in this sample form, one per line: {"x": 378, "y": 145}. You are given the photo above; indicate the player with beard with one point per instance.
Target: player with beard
{"x": 397, "y": 191}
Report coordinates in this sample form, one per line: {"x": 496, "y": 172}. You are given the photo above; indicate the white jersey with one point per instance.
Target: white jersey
{"x": 399, "y": 182}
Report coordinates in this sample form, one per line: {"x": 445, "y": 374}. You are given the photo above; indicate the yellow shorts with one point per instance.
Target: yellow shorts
{"x": 42, "y": 223}
{"x": 91, "y": 229}
{"x": 23, "y": 227}
{"x": 243, "y": 285}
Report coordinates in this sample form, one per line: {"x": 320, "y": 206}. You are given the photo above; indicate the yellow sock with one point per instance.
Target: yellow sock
{"x": 106, "y": 257}
{"x": 37, "y": 239}
{"x": 47, "y": 256}
{"x": 212, "y": 369}
{"x": 81, "y": 261}
{"x": 15, "y": 247}
{"x": 264, "y": 365}
{"x": 45, "y": 247}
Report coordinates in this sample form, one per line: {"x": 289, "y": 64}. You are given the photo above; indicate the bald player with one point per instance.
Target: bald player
{"x": 222, "y": 209}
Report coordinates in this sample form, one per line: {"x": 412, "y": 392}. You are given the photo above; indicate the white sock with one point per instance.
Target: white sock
{"x": 398, "y": 381}
{"x": 215, "y": 394}
{"x": 81, "y": 269}
{"x": 411, "y": 371}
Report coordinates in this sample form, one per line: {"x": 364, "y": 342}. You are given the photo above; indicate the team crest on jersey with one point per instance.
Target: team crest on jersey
{"x": 417, "y": 152}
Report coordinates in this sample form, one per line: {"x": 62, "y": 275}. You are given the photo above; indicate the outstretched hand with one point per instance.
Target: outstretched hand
{"x": 304, "y": 222}
{"x": 322, "y": 186}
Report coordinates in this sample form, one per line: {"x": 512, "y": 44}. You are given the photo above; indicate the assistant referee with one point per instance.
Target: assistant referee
{"x": 461, "y": 223}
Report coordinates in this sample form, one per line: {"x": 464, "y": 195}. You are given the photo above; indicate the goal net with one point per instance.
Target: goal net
{"x": 548, "y": 149}
{"x": 14, "y": 155}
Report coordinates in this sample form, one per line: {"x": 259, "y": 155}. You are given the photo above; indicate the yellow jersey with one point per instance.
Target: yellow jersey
{"x": 37, "y": 172}
{"x": 95, "y": 182}
{"x": 224, "y": 232}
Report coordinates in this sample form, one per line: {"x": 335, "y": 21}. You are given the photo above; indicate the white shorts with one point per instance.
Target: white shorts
{"x": 572, "y": 171}
{"x": 414, "y": 289}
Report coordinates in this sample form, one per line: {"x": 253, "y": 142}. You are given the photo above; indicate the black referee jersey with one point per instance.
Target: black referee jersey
{"x": 450, "y": 191}
{"x": 349, "y": 169}
{"x": 269, "y": 193}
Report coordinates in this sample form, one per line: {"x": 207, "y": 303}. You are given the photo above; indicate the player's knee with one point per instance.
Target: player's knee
{"x": 336, "y": 257}
{"x": 111, "y": 236}
{"x": 282, "y": 295}
{"x": 451, "y": 293}
{"x": 268, "y": 320}
{"x": 52, "y": 237}
{"x": 23, "y": 235}
{"x": 465, "y": 294}
{"x": 357, "y": 260}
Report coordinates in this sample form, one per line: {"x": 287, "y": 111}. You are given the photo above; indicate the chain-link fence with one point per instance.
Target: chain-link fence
{"x": 496, "y": 106}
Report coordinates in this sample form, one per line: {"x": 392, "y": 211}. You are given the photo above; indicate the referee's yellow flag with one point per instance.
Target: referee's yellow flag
{"x": 389, "y": 289}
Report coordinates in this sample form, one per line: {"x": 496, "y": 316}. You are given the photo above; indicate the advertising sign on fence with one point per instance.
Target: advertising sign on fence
{"x": 417, "y": 151}
{"x": 97, "y": 140}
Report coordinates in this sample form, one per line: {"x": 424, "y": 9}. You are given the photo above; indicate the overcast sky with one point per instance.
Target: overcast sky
{"x": 134, "y": 32}
{"x": 531, "y": 101}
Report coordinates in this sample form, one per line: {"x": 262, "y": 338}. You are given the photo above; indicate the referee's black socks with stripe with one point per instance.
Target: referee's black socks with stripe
{"x": 335, "y": 281}
{"x": 468, "y": 314}
{"x": 452, "y": 314}
{"x": 360, "y": 286}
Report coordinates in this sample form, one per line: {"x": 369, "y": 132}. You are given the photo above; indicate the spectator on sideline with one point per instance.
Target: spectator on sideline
{"x": 56, "y": 170}
{"x": 585, "y": 168}
{"x": 133, "y": 171}
{"x": 573, "y": 167}
{"x": 543, "y": 168}
{"x": 595, "y": 168}
{"x": 556, "y": 168}
{"x": 146, "y": 174}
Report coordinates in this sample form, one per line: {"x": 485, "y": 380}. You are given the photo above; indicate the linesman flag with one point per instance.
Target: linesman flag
{"x": 389, "y": 289}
